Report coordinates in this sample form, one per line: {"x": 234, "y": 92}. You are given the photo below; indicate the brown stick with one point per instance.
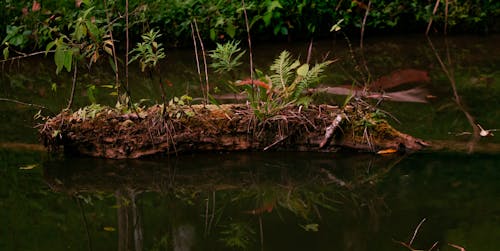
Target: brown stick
{"x": 23, "y": 55}
{"x": 73, "y": 86}
{"x": 446, "y": 16}
{"x": 127, "y": 44}
{"x": 416, "y": 230}
{"x": 115, "y": 60}
{"x": 430, "y": 19}
{"x": 22, "y": 103}
{"x": 364, "y": 23}
{"x": 254, "y": 88}
{"x": 450, "y": 75}
{"x": 205, "y": 97}
{"x": 204, "y": 59}
{"x": 309, "y": 51}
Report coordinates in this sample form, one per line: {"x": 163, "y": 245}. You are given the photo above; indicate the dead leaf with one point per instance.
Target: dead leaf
{"x": 387, "y": 151}
{"x": 109, "y": 229}
{"x": 28, "y": 167}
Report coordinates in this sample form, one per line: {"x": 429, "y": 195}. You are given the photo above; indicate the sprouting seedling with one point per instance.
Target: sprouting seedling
{"x": 486, "y": 132}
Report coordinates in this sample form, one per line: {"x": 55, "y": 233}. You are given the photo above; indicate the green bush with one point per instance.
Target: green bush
{"x": 28, "y": 26}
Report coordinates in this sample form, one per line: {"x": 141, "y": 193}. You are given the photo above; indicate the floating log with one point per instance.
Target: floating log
{"x": 109, "y": 133}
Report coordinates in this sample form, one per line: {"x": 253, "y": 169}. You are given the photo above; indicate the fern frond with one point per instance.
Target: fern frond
{"x": 313, "y": 76}
{"x": 283, "y": 67}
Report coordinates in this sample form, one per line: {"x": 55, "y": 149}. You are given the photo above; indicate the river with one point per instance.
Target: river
{"x": 271, "y": 200}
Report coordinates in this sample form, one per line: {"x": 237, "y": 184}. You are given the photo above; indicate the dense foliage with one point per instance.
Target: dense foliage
{"x": 30, "y": 25}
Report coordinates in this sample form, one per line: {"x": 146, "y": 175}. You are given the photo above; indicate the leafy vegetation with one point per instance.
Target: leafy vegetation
{"x": 30, "y": 25}
{"x": 284, "y": 86}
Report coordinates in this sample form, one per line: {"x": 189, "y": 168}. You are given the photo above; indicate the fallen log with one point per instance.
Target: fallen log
{"x": 109, "y": 133}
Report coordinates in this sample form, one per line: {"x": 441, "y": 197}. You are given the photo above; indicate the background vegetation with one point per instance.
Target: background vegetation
{"x": 30, "y": 25}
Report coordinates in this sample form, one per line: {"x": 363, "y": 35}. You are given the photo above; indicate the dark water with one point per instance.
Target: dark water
{"x": 270, "y": 201}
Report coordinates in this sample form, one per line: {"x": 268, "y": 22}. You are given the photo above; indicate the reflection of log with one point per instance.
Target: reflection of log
{"x": 110, "y": 134}
{"x": 415, "y": 95}
{"x": 216, "y": 172}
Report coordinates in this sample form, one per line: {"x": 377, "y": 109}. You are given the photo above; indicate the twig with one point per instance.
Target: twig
{"x": 450, "y": 75}
{"x": 73, "y": 86}
{"x": 115, "y": 60}
{"x": 456, "y": 246}
{"x": 309, "y": 51}
{"x": 416, "y": 230}
{"x": 365, "y": 64}
{"x": 206, "y": 215}
{"x": 275, "y": 142}
{"x": 430, "y": 18}
{"x": 213, "y": 212}
{"x": 22, "y": 103}
{"x": 330, "y": 129}
{"x": 261, "y": 228}
{"x": 338, "y": 5}
{"x": 446, "y": 16}
{"x": 433, "y": 246}
{"x": 23, "y": 55}
{"x": 364, "y": 23}
{"x": 197, "y": 61}
{"x": 254, "y": 88}
{"x": 127, "y": 43}
{"x": 204, "y": 60}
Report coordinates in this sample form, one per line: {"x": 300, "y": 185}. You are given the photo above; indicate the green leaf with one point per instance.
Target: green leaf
{"x": 273, "y": 5}
{"x": 91, "y": 93}
{"x": 94, "y": 32}
{"x": 313, "y": 227}
{"x": 59, "y": 59}
{"x": 267, "y": 18}
{"x": 68, "y": 58}
{"x": 295, "y": 64}
{"x": 302, "y": 70}
{"x": 231, "y": 30}
{"x": 17, "y": 40}
{"x": 80, "y": 32}
{"x": 112, "y": 64}
{"x": 212, "y": 34}
{"x": 284, "y": 30}
{"x": 49, "y": 46}
{"x": 6, "y": 53}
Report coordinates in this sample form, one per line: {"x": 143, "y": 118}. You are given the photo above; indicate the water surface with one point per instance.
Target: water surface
{"x": 270, "y": 201}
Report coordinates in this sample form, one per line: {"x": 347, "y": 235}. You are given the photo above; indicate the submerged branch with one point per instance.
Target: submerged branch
{"x": 23, "y": 103}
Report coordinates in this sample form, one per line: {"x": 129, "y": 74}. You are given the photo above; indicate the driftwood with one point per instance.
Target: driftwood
{"x": 106, "y": 132}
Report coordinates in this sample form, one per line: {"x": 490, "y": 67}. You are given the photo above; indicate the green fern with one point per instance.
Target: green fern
{"x": 283, "y": 67}
{"x": 311, "y": 77}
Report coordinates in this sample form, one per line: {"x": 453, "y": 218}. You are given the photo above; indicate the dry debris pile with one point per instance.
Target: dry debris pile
{"x": 107, "y": 132}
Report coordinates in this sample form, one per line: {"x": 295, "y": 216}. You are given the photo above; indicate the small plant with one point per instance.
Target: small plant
{"x": 149, "y": 52}
{"x": 286, "y": 85}
{"x": 237, "y": 235}
{"x": 226, "y": 57}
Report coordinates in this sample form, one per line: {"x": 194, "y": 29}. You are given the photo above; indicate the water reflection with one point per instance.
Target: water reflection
{"x": 229, "y": 201}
